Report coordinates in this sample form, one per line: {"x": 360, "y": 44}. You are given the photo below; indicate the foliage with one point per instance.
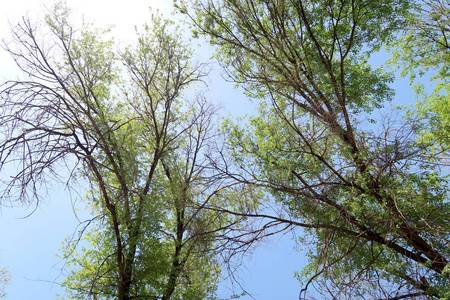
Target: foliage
{"x": 423, "y": 52}
{"x": 372, "y": 196}
{"x": 5, "y": 278}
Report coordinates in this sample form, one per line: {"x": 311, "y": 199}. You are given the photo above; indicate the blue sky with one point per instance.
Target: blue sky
{"x": 29, "y": 245}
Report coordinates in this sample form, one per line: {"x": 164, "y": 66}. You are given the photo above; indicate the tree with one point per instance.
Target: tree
{"x": 175, "y": 257}
{"x": 369, "y": 192}
{"x": 119, "y": 121}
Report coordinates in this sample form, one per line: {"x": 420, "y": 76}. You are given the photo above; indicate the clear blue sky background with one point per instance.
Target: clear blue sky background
{"x": 28, "y": 245}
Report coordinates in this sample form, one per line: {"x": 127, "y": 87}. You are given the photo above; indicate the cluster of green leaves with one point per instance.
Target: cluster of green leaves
{"x": 422, "y": 52}
{"x": 4, "y": 280}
